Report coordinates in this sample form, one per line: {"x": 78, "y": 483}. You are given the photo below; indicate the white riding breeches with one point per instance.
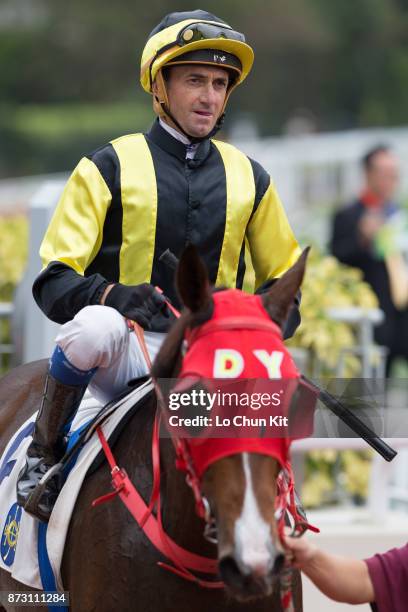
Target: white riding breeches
{"x": 98, "y": 336}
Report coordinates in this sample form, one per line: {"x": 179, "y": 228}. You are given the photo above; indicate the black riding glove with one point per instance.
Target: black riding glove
{"x": 141, "y": 303}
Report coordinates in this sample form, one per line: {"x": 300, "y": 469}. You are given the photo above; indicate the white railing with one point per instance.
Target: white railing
{"x": 388, "y": 481}
{"x": 372, "y": 357}
{"x": 317, "y": 172}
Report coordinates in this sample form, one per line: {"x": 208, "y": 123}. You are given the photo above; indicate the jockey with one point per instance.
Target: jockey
{"x": 128, "y": 202}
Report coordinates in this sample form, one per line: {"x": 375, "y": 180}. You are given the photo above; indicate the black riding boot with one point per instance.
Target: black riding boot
{"x": 59, "y": 404}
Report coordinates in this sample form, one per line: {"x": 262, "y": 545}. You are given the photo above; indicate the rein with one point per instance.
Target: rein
{"x": 183, "y": 561}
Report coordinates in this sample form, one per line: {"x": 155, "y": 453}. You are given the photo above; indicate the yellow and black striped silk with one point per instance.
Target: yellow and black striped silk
{"x": 137, "y": 196}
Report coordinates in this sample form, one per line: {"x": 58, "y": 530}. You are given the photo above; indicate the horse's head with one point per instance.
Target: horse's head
{"x": 241, "y": 484}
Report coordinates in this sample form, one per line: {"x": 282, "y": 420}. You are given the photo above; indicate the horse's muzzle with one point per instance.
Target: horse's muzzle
{"x": 245, "y": 583}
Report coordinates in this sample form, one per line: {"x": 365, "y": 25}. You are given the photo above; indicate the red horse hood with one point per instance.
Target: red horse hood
{"x": 239, "y": 342}
{"x": 240, "y": 352}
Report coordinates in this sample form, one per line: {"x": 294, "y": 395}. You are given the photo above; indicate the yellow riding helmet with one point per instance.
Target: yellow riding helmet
{"x": 193, "y": 37}
{"x": 179, "y": 33}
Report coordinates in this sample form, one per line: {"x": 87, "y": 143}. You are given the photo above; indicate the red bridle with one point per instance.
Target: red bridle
{"x": 286, "y": 497}
{"x": 184, "y": 563}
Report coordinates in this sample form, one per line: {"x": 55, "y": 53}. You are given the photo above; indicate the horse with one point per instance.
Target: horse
{"x": 108, "y": 562}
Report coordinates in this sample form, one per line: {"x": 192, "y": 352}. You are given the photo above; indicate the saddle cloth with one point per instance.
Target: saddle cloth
{"x": 20, "y": 533}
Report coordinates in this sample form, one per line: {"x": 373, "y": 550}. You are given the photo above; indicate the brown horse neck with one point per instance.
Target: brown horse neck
{"x": 133, "y": 451}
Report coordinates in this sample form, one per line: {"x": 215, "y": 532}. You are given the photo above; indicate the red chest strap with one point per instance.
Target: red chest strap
{"x": 182, "y": 559}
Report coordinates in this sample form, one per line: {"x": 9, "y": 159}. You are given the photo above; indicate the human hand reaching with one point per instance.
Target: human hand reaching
{"x": 300, "y": 551}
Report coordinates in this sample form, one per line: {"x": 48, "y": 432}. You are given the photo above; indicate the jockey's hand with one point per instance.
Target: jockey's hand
{"x": 140, "y": 303}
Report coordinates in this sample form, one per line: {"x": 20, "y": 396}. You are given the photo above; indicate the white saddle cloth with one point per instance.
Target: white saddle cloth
{"x": 19, "y": 530}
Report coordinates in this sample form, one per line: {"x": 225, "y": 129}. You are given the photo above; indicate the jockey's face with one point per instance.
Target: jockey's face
{"x": 196, "y": 96}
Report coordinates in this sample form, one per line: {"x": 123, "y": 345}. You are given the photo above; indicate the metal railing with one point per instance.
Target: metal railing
{"x": 371, "y": 356}
{"x": 388, "y": 485}
{"x": 363, "y": 320}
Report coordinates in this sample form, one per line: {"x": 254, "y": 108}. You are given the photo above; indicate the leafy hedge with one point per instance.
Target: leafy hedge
{"x": 13, "y": 253}
{"x": 327, "y": 471}
{"x": 13, "y": 256}
{"x": 328, "y": 284}
{"x": 38, "y": 139}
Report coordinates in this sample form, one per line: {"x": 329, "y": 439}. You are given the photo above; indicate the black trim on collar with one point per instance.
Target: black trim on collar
{"x": 159, "y": 136}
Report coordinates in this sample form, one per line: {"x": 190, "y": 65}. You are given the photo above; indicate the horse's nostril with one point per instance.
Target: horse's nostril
{"x": 278, "y": 563}
{"x": 230, "y": 572}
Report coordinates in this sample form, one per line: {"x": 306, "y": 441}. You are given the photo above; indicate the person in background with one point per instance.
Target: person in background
{"x": 369, "y": 234}
{"x": 381, "y": 580}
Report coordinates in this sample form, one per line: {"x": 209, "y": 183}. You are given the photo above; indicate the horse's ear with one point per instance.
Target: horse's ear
{"x": 280, "y": 297}
{"x": 192, "y": 280}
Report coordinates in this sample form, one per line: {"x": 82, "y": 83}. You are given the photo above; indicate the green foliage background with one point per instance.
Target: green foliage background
{"x": 13, "y": 253}
{"x": 69, "y": 71}
{"x": 332, "y": 475}
{"x": 328, "y": 284}
{"x": 13, "y": 257}
{"x": 328, "y": 471}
